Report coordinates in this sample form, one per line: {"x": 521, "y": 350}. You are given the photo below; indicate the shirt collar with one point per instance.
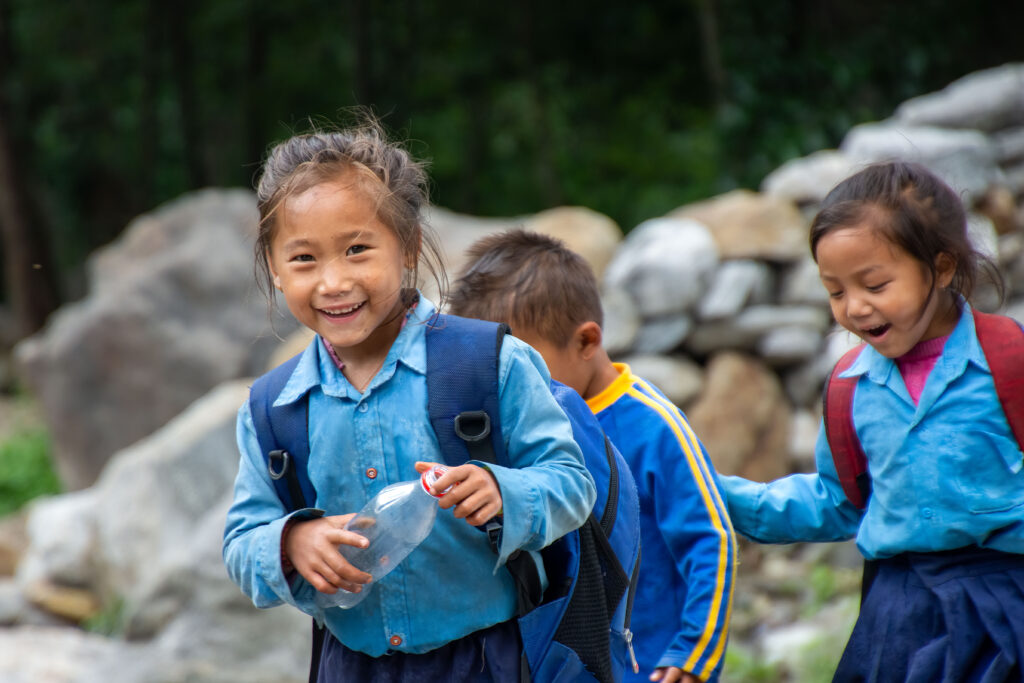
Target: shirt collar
{"x": 962, "y": 343}
{"x": 316, "y": 367}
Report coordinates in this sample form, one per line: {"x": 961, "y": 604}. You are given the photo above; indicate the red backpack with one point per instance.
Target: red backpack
{"x": 1002, "y": 342}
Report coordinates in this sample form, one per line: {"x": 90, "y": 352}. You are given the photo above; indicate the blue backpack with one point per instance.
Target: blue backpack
{"x": 576, "y": 630}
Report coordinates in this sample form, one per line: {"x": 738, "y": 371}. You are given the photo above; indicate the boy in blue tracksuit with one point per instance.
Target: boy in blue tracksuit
{"x": 549, "y": 297}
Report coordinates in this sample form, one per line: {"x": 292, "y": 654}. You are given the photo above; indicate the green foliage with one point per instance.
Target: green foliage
{"x": 119, "y": 106}
{"x": 110, "y": 620}
{"x": 742, "y": 666}
{"x": 26, "y": 470}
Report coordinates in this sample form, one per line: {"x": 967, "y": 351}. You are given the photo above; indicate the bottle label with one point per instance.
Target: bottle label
{"x": 428, "y": 478}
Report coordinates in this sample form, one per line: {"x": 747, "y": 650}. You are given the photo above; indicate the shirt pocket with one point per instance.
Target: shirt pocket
{"x": 988, "y": 473}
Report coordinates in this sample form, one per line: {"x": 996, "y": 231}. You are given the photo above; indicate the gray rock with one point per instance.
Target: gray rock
{"x": 749, "y": 225}
{"x": 983, "y": 236}
{"x": 759, "y": 320}
{"x": 679, "y": 378}
{"x": 661, "y": 335}
{"x": 805, "y": 382}
{"x": 117, "y": 536}
{"x": 1016, "y": 310}
{"x": 985, "y": 100}
{"x": 31, "y": 654}
{"x": 1014, "y": 175}
{"x": 734, "y": 285}
{"x": 742, "y": 418}
{"x": 808, "y": 179}
{"x": 745, "y": 330}
{"x": 664, "y": 264}
{"x": 621, "y": 321}
{"x": 164, "y": 323}
{"x": 801, "y": 285}
{"x": 1009, "y": 144}
{"x": 803, "y": 436}
{"x": 789, "y": 344}
{"x": 963, "y": 158}
{"x": 719, "y": 335}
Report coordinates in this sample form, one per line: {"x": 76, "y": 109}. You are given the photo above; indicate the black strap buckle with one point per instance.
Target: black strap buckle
{"x": 472, "y": 425}
{"x": 278, "y": 456}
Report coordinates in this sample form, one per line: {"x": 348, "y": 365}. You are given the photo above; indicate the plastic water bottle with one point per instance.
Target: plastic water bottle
{"x": 394, "y": 521}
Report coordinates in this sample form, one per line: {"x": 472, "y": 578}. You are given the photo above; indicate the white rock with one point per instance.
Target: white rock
{"x": 664, "y": 264}
{"x": 789, "y": 344}
{"x": 621, "y": 321}
{"x": 965, "y": 159}
{"x": 733, "y": 285}
{"x": 985, "y": 100}
{"x": 661, "y": 335}
{"x": 808, "y": 179}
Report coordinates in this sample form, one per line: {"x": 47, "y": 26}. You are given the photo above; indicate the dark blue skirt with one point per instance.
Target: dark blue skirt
{"x": 490, "y": 655}
{"x": 955, "y": 617}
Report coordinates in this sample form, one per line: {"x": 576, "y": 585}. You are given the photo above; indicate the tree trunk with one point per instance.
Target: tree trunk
{"x": 29, "y": 278}
{"x": 710, "y": 49}
{"x": 184, "y": 71}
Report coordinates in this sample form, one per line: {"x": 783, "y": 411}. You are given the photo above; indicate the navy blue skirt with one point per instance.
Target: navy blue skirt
{"x": 490, "y": 655}
{"x": 955, "y": 617}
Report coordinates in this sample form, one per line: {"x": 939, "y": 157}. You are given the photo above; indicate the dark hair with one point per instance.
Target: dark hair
{"x": 528, "y": 280}
{"x": 383, "y": 167}
{"x": 914, "y": 210}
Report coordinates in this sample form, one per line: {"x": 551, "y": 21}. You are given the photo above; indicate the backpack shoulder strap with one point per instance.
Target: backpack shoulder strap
{"x": 283, "y": 436}
{"x": 1002, "y": 342}
{"x": 462, "y": 397}
{"x": 462, "y": 388}
{"x": 847, "y": 454}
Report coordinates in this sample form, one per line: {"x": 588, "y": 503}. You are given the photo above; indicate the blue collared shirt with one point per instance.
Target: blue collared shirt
{"x": 946, "y": 473}
{"x": 452, "y": 584}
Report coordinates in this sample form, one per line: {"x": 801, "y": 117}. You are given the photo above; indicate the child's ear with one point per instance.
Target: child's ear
{"x": 945, "y": 269}
{"x": 274, "y": 277}
{"x": 587, "y": 339}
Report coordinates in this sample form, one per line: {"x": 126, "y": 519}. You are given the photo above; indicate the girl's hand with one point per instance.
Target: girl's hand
{"x": 475, "y": 494}
{"x": 673, "y": 674}
{"x": 312, "y": 548}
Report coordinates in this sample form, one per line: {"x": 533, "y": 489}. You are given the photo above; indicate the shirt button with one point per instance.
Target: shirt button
{"x": 371, "y": 472}
{"x": 395, "y": 641}
{"x": 926, "y": 513}
{"x": 363, "y": 407}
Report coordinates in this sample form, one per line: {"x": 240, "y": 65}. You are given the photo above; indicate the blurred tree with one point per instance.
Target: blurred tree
{"x": 30, "y": 281}
{"x": 630, "y": 109}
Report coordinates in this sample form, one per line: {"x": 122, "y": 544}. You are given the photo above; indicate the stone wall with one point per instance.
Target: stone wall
{"x": 718, "y": 302}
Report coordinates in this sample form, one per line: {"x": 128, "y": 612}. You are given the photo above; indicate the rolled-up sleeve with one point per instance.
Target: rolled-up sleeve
{"x": 252, "y": 533}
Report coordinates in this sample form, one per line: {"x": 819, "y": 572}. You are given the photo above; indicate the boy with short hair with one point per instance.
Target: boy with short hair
{"x": 549, "y": 297}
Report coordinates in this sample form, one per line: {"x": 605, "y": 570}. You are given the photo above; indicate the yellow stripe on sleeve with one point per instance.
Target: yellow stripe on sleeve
{"x": 713, "y": 502}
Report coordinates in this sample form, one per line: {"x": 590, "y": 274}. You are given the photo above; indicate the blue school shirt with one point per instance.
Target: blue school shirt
{"x": 946, "y": 473}
{"x": 688, "y": 553}
{"x": 452, "y": 584}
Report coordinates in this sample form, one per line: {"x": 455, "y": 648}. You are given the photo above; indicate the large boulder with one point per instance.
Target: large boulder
{"x": 986, "y": 100}
{"x": 591, "y": 234}
{"x": 147, "y": 536}
{"x": 172, "y": 311}
{"x": 966, "y": 159}
{"x": 665, "y": 265}
{"x": 742, "y": 418}
{"x": 748, "y": 225}
{"x": 808, "y": 179}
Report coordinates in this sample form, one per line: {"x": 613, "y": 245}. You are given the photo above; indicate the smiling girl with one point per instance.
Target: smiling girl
{"x": 945, "y": 517}
{"x": 340, "y": 235}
